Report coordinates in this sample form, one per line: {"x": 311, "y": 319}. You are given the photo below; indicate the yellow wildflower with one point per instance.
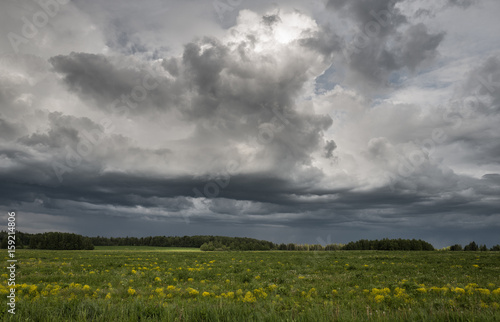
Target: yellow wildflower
{"x": 272, "y": 287}
{"x": 399, "y": 292}
{"x": 483, "y": 291}
{"x": 192, "y": 291}
{"x": 249, "y": 297}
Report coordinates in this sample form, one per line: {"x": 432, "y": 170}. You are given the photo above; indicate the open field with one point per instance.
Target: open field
{"x": 132, "y": 285}
{"x": 147, "y": 248}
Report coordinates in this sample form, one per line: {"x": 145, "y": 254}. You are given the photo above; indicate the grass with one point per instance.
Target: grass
{"x": 148, "y": 285}
{"x": 147, "y": 248}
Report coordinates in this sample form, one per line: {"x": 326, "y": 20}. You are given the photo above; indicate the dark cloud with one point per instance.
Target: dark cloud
{"x": 481, "y": 91}
{"x": 329, "y": 148}
{"x": 380, "y": 14}
{"x": 8, "y": 131}
{"x": 94, "y": 76}
{"x": 385, "y": 41}
{"x": 418, "y": 46}
{"x": 325, "y": 41}
{"x": 62, "y": 132}
{"x": 250, "y": 196}
{"x": 474, "y": 114}
{"x": 423, "y": 12}
{"x": 271, "y": 19}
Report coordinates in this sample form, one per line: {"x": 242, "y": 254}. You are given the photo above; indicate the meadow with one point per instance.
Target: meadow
{"x": 148, "y": 248}
{"x": 141, "y": 284}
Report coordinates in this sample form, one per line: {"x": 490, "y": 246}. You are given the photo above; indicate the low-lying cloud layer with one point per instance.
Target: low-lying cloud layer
{"x": 325, "y": 121}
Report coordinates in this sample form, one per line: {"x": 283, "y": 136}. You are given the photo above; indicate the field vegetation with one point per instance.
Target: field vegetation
{"x": 137, "y": 284}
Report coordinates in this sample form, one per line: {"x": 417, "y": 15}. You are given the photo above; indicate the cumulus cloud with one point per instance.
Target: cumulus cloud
{"x": 231, "y": 94}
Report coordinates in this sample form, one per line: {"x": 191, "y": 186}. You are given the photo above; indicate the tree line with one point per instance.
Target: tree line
{"x": 363, "y": 244}
{"x": 210, "y": 242}
{"x": 223, "y": 243}
{"x": 472, "y": 246}
{"x": 49, "y": 240}
{"x": 309, "y": 247}
{"x": 389, "y": 244}
{"x": 22, "y": 239}
{"x": 57, "y": 240}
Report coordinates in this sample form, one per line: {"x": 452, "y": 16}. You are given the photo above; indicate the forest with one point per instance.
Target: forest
{"x": 69, "y": 241}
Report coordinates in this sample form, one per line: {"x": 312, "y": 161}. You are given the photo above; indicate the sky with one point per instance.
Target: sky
{"x": 320, "y": 121}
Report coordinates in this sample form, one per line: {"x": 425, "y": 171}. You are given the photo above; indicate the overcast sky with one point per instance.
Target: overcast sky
{"x": 320, "y": 121}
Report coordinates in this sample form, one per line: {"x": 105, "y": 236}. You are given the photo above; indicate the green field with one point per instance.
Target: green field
{"x": 148, "y": 248}
{"x": 132, "y": 284}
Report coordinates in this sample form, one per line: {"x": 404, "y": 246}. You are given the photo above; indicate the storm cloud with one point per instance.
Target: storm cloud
{"x": 298, "y": 122}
